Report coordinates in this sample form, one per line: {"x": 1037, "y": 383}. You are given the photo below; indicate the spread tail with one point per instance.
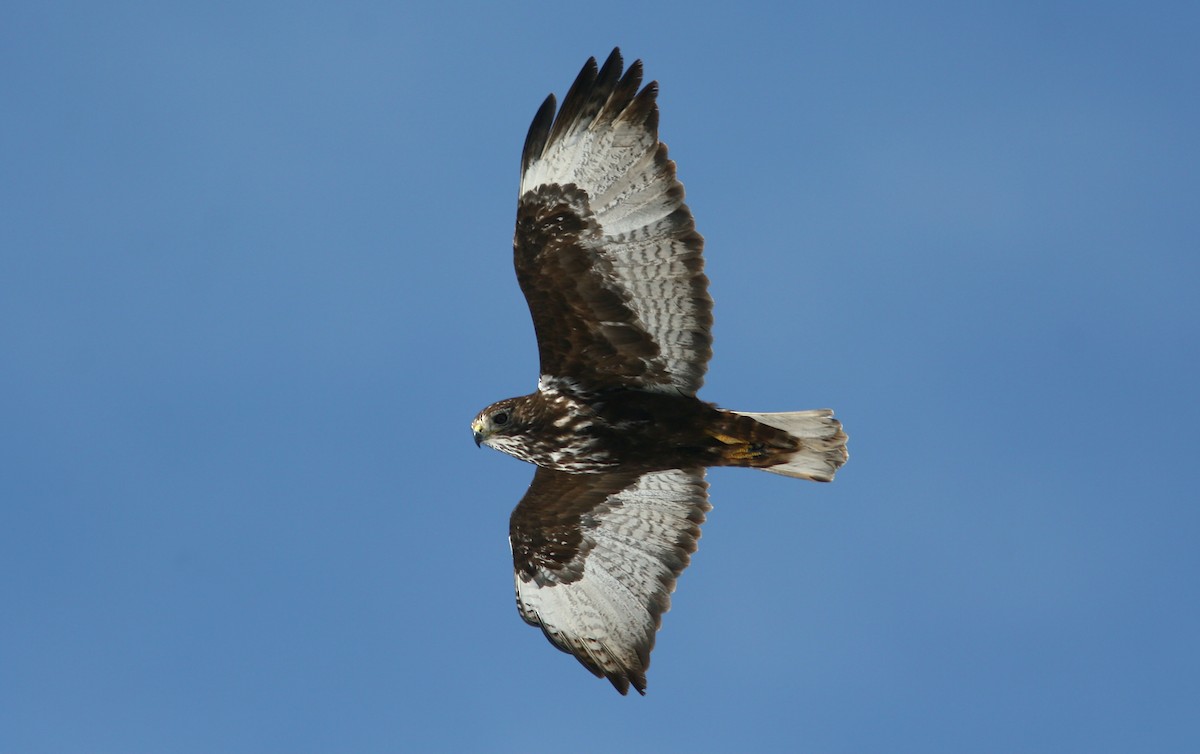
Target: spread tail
{"x": 822, "y": 443}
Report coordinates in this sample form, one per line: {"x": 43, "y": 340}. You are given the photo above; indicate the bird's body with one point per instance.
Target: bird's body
{"x": 636, "y": 430}
{"x": 609, "y": 260}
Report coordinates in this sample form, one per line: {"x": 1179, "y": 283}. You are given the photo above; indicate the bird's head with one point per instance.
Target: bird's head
{"x": 496, "y": 425}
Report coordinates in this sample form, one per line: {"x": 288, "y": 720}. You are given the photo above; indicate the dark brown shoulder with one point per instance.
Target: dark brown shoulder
{"x": 584, "y": 325}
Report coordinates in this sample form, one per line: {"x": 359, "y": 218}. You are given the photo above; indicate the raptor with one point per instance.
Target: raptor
{"x": 608, "y": 257}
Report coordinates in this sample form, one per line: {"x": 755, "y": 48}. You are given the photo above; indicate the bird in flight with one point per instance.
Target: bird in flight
{"x": 608, "y": 257}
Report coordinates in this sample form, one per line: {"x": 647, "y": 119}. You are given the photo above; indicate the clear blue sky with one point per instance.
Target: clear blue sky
{"x": 255, "y": 281}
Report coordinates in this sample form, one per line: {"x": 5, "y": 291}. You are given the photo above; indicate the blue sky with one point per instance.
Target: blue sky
{"x": 255, "y": 280}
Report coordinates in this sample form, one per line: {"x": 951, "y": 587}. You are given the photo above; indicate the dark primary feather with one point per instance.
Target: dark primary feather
{"x": 539, "y": 132}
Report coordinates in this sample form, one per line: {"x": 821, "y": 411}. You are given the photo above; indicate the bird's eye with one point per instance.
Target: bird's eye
{"x": 500, "y": 418}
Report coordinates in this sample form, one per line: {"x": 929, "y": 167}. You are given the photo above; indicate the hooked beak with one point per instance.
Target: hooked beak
{"x": 478, "y": 439}
{"x": 477, "y": 432}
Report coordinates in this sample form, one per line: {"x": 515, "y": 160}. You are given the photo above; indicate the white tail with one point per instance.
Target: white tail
{"x": 822, "y": 443}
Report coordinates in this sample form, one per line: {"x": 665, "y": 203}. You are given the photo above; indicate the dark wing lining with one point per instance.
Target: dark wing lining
{"x": 605, "y": 250}
{"x": 596, "y": 557}
{"x": 585, "y": 328}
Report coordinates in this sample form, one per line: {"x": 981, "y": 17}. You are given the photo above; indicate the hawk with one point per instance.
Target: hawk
{"x": 608, "y": 257}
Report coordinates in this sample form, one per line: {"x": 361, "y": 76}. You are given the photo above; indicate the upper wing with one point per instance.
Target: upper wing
{"x": 605, "y": 249}
{"x": 596, "y": 557}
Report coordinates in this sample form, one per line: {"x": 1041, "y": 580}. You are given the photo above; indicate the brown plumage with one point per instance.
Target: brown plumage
{"x": 609, "y": 260}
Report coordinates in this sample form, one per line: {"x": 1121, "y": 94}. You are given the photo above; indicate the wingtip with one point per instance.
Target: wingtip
{"x": 622, "y": 681}
{"x": 614, "y": 59}
{"x": 539, "y": 132}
